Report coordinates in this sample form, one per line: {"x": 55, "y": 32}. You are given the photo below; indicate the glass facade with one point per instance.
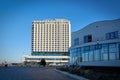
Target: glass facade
{"x": 58, "y": 57}
{"x": 98, "y": 52}
{"x": 49, "y": 53}
{"x": 46, "y": 59}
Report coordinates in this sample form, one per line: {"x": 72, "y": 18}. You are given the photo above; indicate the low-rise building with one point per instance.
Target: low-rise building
{"x": 97, "y": 44}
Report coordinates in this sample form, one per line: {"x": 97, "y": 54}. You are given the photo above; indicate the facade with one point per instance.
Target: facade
{"x": 51, "y": 41}
{"x": 97, "y": 44}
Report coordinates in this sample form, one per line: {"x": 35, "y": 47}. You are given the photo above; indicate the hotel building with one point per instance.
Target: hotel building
{"x": 97, "y": 44}
{"x": 51, "y": 41}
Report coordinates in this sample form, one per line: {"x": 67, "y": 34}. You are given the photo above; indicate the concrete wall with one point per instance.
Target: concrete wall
{"x": 98, "y": 31}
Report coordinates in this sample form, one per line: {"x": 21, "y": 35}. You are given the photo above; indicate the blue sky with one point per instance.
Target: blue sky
{"x": 16, "y": 17}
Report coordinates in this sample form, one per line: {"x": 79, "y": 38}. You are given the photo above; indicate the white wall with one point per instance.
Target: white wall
{"x": 98, "y": 33}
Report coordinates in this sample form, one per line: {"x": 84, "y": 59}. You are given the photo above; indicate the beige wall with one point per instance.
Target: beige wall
{"x": 51, "y": 35}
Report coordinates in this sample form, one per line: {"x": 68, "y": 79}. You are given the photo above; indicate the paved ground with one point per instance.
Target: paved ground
{"x": 31, "y": 73}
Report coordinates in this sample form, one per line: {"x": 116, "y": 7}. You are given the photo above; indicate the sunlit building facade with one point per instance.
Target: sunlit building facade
{"x": 97, "y": 44}
{"x": 51, "y": 41}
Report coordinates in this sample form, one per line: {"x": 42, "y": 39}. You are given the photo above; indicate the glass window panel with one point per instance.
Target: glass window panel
{"x": 96, "y": 55}
{"x": 86, "y": 49}
{"x": 79, "y": 51}
{"x": 87, "y": 38}
{"x": 104, "y": 52}
{"x": 112, "y": 56}
{"x": 86, "y": 56}
{"x": 83, "y": 59}
{"x": 112, "y": 45}
{"x": 112, "y": 35}
{"x": 105, "y": 56}
{"x": 118, "y": 51}
{"x": 91, "y": 56}
{"x": 107, "y": 36}
{"x": 104, "y": 48}
{"x": 112, "y": 48}
{"x": 92, "y": 48}
{"x": 82, "y": 50}
{"x": 116, "y": 34}
{"x": 82, "y": 53}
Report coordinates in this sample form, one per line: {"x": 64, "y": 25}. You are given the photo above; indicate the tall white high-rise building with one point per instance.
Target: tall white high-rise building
{"x": 51, "y": 41}
{"x": 51, "y": 35}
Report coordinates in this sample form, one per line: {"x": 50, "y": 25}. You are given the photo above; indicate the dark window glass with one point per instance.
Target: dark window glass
{"x": 116, "y": 34}
{"x": 87, "y": 38}
{"x": 112, "y": 35}
{"x": 107, "y": 36}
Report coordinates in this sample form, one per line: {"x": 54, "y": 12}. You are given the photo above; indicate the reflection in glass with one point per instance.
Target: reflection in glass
{"x": 91, "y": 56}
{"x": 96, "y": 55}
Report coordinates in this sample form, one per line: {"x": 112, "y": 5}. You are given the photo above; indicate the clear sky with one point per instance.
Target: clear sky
{"x": 16, "y": 18}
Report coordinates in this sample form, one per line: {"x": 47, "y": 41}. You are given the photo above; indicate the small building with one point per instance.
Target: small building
{"x": 97, "y": 44}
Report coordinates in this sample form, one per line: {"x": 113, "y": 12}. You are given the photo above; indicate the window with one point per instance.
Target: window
{"x": 87, "y": 38}
{"x": 104, "y": 52}
{"x": 82, "y": 53}
{"x": 112, "y": 35}
{"x": 91, "y": 56}
{"x": 76, "y": 41}
{"x": 112, "y": 51}
{"x": 96, "y": 55}
{"x": 86, "y": 56}
{"x": 79, "y": 52}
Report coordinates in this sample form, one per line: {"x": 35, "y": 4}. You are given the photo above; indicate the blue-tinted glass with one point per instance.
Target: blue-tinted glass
{"x": 83, "y": 58}
{"x": 96, "y": 55}
{"x": 82, "y": 52}
{"x": 107, "y": 36}
{"x": 91, "y": 56}
{"x": 104, "y": 48}
{"x": 92, "y": 48}
{"x": 79, "y": 52}
{"x": 112, "y": 56}
{"x": 49, "y": 53}
{"x": 118, "y": 53}
{"x": 85, "y": 39}
{"x": 104, "y": 52}
{"x": 112, "y": 48}
{"x": 112, "y": 35}
{"x": 86, "y": 49}
{"x": 116, "y": 34}
{"x": 86, "y": 56}
{"x": 105, "y": 56}
{"x": 113, "y": 51}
